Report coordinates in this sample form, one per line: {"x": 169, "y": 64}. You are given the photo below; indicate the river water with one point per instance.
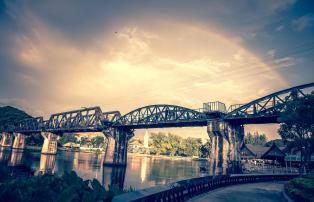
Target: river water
{"x": 141, "y": 171}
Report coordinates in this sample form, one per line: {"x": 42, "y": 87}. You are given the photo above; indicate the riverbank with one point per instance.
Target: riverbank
{"x": 194, "y": 158}
{"x": 188, "y": 158}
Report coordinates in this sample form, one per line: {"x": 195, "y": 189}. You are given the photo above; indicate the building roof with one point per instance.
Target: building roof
{"x": 257, "y": 150}
{"x": 274, "y": 152}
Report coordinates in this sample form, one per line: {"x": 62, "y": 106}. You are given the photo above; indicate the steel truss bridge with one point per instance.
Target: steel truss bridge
{"x": 93, "y": 119}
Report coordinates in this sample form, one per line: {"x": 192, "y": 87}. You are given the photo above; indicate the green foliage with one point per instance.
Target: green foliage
{"x": 159, "y": 143}
{"x": 205, "y": 149}
{"x": 34, "y": 139}
{"x": 69, "y": 187}
{"x": 10, "y": 115}
{"x": 255, "y": 139}
{"x": 68, "y": 137}
{"x": 301, "y": 188}
{"x": 98, "y": 141}
{"x": 297, "y": 125}
{"x": 278, "y": 142}
{"x": 174, "y": 145}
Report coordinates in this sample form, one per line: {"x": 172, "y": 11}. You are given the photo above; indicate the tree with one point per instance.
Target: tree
{"x": 249, "y": 139}
{"x": 68, "y": 137}
{"x": 173, "y": 144}
{"x": 297, "y": 126}
{"x": 158, "y": 143}
{"x": 260, "y": 139}
{"x": 278, "y": 142}
{"x": 255, "y": 139}
{"x": 98, "y": 141}
{"x": 190, "y": 146}
{"x": 34, "y": 139}
{"x": 205, "y": 149}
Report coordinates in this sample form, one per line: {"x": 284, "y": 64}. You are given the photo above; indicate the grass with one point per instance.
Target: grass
{"x": 301, "y": 188}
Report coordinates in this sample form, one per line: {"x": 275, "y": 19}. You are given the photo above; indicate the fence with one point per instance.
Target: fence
{"x": 186, "y": 189}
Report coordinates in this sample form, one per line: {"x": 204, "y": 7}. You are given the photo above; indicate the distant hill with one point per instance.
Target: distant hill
{"x": 10, "y": 115}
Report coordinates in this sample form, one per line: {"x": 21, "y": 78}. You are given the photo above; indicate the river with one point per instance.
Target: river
{"x": 141, "y": 171}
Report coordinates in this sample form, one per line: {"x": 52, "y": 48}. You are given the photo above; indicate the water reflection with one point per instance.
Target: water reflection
{"x": 14, "y": 161}
{"x": 5, "y": 155}
{"x": 113, "y": 176}
{"x": 141, "y": 171}
{"x": 16, "y": 157}
{"x": 47, "y": 164}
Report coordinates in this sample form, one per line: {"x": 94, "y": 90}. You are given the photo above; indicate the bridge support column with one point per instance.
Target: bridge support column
{"x": 235, "y": 135}
{"x": 213, "y": 152}
{"x": 116, "y": 150}
{"x": 50, "y": 143}
{"x": 220, "y": 146}
{"x": 226, "y": 140}
{"x": 110, "y": 151}
{"x": 6, "y": 140}
{"x": 19, "y": 141}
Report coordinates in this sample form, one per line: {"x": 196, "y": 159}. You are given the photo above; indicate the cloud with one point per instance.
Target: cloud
{"x": 280, "y": 28}
{"x": 271, "y": 52}
{"x": 136, "y": 55}
{"x": 285, "y": 62}
{"x": 138, "y": 65}
{"x": 303, "y": 22}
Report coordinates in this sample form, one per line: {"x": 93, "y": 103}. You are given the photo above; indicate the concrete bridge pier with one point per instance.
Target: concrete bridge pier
{"x": 226, "y": 140}
{"x": 235, "y": 135}
{"x": 116, "y": 149}
{"x": 213, "y": 158}
{"x": 50, "y": 143}
{"x": 19, "y": 141}
{"x": 6, "y": 140}
{"x": 220, "y": 147}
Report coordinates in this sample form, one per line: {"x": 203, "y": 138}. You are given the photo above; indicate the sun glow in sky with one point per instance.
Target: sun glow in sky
{"x": 59, "y": 60}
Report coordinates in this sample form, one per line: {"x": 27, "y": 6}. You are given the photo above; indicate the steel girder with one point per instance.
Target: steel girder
{"x": 154, "y": 116}
{"x": 112, "y": 116}
{"x": 267, "y": 108}
{"x": 29, "y": 125}
{"x": 87, "y": 119}
{"x": 262, "y": 110}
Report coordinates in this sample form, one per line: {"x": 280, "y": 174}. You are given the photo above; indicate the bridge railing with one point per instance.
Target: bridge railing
{"x": 186, "y": 189}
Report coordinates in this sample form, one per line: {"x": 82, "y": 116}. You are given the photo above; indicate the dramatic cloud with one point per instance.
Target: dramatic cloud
{"x": 121, "y": 56}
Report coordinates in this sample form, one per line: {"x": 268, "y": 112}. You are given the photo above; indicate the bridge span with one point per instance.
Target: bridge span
{"x": 225, "y": 127}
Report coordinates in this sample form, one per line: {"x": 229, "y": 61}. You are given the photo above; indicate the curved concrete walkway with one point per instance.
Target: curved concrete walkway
{"x": 256, "y": 192}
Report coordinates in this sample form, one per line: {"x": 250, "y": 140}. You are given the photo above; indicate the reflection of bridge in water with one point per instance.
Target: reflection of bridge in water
{"x": 18, "y": 162}
{"x": 225, "y": 127}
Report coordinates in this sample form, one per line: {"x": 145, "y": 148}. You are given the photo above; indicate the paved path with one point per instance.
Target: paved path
{"x": 256, "y": 192}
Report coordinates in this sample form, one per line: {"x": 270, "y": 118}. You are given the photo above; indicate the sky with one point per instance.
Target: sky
{"x": 121, "y": 55}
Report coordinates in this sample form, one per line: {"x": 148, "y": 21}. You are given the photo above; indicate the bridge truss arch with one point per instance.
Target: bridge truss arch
{"x": 266, "y": 109}
{"x": 160, "y": 116}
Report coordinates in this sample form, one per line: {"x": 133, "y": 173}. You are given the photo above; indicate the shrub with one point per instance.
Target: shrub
{"x": 69, "y": 187}
{"x": 301, "y": 188}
